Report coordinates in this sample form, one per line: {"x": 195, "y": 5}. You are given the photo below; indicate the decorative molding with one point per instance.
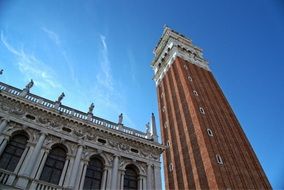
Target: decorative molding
{"x": 78, "y": 130}
{"x": 70, "y": 133}
{"x": 174, "y": 45}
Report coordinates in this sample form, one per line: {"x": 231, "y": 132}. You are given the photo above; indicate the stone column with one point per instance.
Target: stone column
{"x": 70, "y": 157}
{"x": 80, "y": 177}
{"x": 30, "y": 150}
{"x": 3, "y": 125}
{"x": 157, "y": 173}
{"x": 144, "y": 183}
{"x": 35, "y": 154}
{"x": 81, "y": 186}
{"x": 114, "y": 172}
{"x": 149, "y": 177}
{"x": 23, "y": 179}
{"x": 40, "y": 168}
{"x": 104, "y": 177}
{"x": 75, "y": 167}
{"x": 46, "y": 152}
{"x": 121, "y": 179}
{"x": 140, "y": 183}
{"x": 38, "y": 163}
{"x": 4, "y": 144}
{"x": 109, "y": 174}
{"x": 62, "y": 177}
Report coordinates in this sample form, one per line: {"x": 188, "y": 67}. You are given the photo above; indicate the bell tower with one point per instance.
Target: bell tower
{"x": 206, "y": 146}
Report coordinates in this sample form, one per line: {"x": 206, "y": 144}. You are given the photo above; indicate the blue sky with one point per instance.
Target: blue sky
{"x": 101, "y": 51}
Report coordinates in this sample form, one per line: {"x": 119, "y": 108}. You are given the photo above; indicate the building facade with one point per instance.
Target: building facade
{"x": 46, "y": 145}
{"x": 206, "y": 146}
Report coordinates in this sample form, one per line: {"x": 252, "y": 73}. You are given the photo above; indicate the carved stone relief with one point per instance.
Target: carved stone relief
{"x": 34, "y": 135}
{"x": 142, "y": 167}
{"x": 17, "y": 110}
{"x": 108, "y": 158}
{"x": 43, "y": 120}
{"x": 50, "y": 140}
{"x": 124, "y": 147}
{"x": 113, "y": 144}
{"x": 78, "y": 131}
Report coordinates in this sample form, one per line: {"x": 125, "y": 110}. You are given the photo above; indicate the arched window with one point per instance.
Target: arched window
{"x": 94, "y": 173}
{"x": 54, "y": 164}
{"x": 130, "y": 178}
{"x": 13, "y": 152}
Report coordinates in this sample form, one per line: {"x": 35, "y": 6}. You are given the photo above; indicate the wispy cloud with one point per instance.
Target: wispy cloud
{"x": 104, "y": 77}
{"x": 132, "y": 62}
{"x": 32, "y": 67}
{"x": 55, "y": 38}
{"x": 52, "y": 35}
{"x": 106, "y": 90}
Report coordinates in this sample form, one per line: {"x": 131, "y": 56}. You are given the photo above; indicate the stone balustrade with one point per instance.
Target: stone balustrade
{"x": 70, "y": 112}
{"x": 8, "y": 178}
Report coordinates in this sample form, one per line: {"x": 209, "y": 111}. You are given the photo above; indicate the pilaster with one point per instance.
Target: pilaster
{"x": 114, "y": 172}
{"x": 75, "y": 167}
{"x": 3, "y": 125}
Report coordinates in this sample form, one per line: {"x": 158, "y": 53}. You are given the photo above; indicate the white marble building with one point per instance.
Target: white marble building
{"x": 46, "y": 145}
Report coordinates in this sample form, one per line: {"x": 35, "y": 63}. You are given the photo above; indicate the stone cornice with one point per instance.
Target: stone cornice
{"x": 167, "y": 34}
{"x": 172, "y": 45}
{"x": 67, "y": 111}
{"x": 115, "y": 133}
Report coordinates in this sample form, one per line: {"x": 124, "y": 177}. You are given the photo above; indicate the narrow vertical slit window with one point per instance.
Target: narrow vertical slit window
{"x": 189, "y": 78}
{"x": 219, "y": 159}
{"x": 171, "y": 167}
{"x": 168, "y": 143}
{"x": 166, "y": 124}
{"x": 163, "y": 109}
{"x": 210, "y": 133}
{"x": 201, "y": 110}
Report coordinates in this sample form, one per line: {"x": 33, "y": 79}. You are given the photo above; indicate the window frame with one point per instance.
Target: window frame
{"x": 94, "y": 168}
{"x": 130, "y": 178}
{"x": 54, "y": 165}
{"x": 13, "y": 152}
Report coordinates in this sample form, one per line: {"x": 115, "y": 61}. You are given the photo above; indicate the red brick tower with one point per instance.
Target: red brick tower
{"x": 207, "y": 148}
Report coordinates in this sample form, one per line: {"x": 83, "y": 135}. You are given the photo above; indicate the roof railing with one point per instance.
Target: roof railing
{"x": 73, "y": 113}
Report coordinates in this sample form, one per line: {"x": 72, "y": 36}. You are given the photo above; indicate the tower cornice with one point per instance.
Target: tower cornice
{"x": 172, "y": 45}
